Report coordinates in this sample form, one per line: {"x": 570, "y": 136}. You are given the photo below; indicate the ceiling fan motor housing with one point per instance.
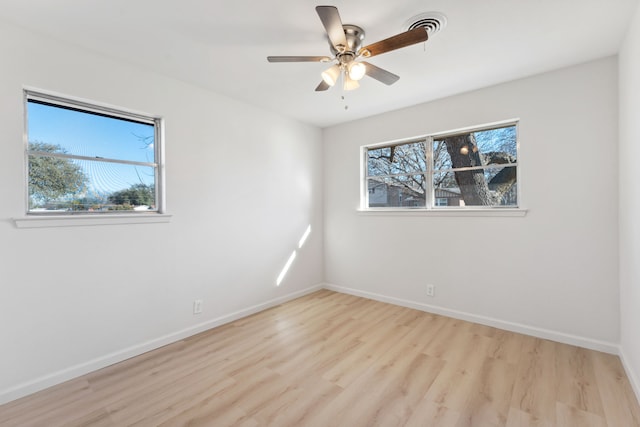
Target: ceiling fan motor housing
{"x": 355, "y": 36}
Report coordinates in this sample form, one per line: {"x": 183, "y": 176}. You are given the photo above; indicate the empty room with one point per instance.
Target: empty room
{"x": 357, "y": 213}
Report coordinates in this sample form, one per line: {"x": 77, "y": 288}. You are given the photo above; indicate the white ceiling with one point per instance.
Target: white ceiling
{"x": 223, "y": 45}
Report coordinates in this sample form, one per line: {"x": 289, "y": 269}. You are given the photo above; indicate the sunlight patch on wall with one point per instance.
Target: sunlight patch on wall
{"x": 304, "y": 236}
{"x": 287, "y": 266}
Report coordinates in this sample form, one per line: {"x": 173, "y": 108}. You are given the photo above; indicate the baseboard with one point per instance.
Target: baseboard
{"x": 589, "y": 343}
{"x": 631, "y": 374}
{"x": 72, "y": 372}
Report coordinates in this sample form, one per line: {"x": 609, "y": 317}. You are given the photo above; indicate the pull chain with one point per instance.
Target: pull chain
{"x": 342, "y": 96}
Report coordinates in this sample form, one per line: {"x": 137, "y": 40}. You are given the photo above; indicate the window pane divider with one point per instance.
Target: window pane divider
{"x": 429, "y": 198}
{"x": 396, "y": 175}
{"x": 94, "y": 158}
{"x": 473, "y": 168}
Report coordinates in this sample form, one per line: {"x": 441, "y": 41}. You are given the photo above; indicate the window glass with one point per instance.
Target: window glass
{"x": 393, "y": 181}
{"x": 397, "y": 159}
{"x": 480, "y": 166}
{"x": 477, "y": 168}
{"x": 88, "y": 159}
{"x": 397, "y": 191}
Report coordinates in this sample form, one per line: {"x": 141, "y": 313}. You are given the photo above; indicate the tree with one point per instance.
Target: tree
{"x": 475, "y": 188}
{"x": 405, "y": 163}
{"x": 136, "y": 195}
{"x": 51, "y": 178}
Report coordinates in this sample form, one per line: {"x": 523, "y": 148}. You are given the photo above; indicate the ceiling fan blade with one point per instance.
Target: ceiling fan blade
{"x": 333, "y": 25}
{"x": 298, "y": 59}
{"x": 380, "y": 74}
{"x": 398, "y": 41}
{"x": 322, "y": 86}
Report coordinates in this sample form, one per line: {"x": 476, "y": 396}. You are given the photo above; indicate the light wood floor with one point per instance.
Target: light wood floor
{"x": 330, "y": 359}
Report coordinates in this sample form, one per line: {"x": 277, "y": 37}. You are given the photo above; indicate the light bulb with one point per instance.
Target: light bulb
{"x": 330, "y": 75}
{"x": 357, "y": 70}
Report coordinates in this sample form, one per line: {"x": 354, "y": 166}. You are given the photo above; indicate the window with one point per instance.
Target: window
{"x": 476, "y": 168}
{"x": 442, "y": 201}
{"x": 88, "y": 159}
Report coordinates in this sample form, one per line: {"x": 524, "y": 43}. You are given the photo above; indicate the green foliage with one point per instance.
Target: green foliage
{"x": 136, "y": 195}
{"x": 51, "y": 178}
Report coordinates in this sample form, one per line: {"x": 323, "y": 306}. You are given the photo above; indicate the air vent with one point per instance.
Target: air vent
{"x": 433, "y": 22}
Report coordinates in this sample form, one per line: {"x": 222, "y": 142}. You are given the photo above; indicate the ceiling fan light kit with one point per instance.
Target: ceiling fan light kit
{"x": 345, "y": 43}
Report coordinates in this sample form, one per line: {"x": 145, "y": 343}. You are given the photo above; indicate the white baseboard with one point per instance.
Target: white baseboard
{"x": 75, "y": 371}
{"x": 579, "y": 341}
{"x": 631, "y": 374}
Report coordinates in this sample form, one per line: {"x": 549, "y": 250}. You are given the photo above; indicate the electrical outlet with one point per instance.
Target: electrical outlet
{"x": 197, "y": 306}
{"x": 431, "y": 290}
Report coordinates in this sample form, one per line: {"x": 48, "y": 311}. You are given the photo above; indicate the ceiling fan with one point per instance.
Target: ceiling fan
{"x": 345, "y": 43}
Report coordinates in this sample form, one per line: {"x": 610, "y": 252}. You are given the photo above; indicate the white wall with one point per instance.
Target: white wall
{"x": 630, "y": 201}
{"x": 242, "y": 184}
{"x": 551, "y": 273}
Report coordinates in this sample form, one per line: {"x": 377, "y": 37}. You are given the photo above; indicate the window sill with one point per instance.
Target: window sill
{"x": 88, "y": 220}
{"x": 501, "y": 212}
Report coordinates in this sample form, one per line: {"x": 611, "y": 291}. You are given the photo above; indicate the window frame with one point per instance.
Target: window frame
{"x": 430, "y": 203}
{"x": 92, "y": 107}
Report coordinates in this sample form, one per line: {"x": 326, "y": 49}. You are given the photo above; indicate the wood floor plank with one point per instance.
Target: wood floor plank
{"x": 452, "y": 388}
{"x": 490, "y": 395}
{"x": 353, "y": 364}
{"x": 151, "y": 404}
{"x": 316, "y": 395}
{"x": 227, "y": 405}
{"x": 394, "y": 390}
{"x": 569, "y": 416}
{"x": 331, "y": 359}
{"x": 431, "y": 414}
{"x": 519, "y": 418}
{"x": 450, "y": 329}
{"x": 620, "y": 406}
{"x": 45, "y": 405}
{"x": 577, "y": 386}
{"x": 507, "y": 346}
{"x": 535, "y": 388}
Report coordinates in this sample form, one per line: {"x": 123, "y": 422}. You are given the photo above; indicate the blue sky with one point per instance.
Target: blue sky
{"x": 92, "y": 135}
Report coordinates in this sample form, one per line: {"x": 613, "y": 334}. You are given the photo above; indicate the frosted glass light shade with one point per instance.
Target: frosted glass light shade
{"x": 349, "y": 83}
{"x": 330, "y": 75}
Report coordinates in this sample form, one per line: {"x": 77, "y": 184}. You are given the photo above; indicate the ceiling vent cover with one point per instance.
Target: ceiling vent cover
{"x": 434, "y": 22}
